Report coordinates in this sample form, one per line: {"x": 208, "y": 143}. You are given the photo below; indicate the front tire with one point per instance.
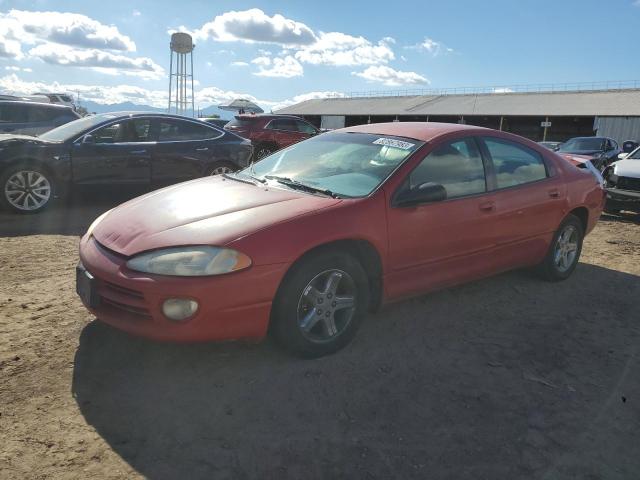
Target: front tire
{"x": 26, "y": 189}
{"x": 564, "y": 251}
{"x": 320, "y": 304}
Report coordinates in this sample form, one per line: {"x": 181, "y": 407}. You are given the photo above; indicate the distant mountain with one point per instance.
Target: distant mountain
{"x": 94, "y": 107}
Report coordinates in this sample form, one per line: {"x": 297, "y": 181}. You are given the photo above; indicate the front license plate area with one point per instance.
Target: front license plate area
{"x": 86, "y": 287}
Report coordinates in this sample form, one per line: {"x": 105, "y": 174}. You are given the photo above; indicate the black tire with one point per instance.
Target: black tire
{"x": 31, "y": 201}
{"x": 219, "y": 168}
{"x": 292, "y": 302}
{"x": 549, "y": 269}
{"x": 263, "y": 150}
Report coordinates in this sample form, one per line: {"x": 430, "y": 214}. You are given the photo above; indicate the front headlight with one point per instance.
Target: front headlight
{"x": 196, "y": 261}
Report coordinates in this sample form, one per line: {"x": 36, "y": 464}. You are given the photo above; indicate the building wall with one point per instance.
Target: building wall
{"x": 619, "y": 128}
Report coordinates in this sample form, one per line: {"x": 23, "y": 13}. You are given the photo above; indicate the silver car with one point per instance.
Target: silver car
{"x": 31, "y": 118}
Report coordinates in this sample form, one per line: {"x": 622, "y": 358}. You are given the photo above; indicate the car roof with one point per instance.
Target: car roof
{"x": 136, "y": 113}
{"x": 43, "y": 105}
{"x": 424, "y": 131}
{"x": 246, "y": 116}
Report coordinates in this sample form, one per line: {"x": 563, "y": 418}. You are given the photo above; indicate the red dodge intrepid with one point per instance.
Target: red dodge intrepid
{"x": 306, "y": 241}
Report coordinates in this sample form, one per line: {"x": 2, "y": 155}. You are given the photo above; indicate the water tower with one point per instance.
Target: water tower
{"x": 180, "y": 73}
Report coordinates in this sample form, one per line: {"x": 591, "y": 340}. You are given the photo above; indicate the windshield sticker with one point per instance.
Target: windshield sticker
{"x": 392, "y": 142}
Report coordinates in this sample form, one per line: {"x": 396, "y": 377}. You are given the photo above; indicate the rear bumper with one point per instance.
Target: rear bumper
{"x": 232, "y": 306}
{"x": 623, "y": 200}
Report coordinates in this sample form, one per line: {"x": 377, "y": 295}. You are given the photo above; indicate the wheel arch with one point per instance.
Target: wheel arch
{"x": 583, "y": 215}
{"x": 366, "y": 254}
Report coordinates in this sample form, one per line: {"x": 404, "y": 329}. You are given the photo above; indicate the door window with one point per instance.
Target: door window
{"x": 176, "y": 130}
{"x": 304, "y": 127}
{"x": 456, "y": 166}
{"x": 514, "y": 164}
{"x": 124, "y": 132}
{"x": 283, "y": 124}
{"x": 13, "y": 113}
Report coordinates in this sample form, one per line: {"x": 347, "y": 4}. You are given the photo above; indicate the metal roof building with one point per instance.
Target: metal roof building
{"x": 555, "y": 115}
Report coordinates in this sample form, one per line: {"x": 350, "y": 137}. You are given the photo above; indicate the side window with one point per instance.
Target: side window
{"x": 122, "y": 132}
{"x": 283, "y": 124}
{"x": 456, "y": 166}
{"x": 514, "y": 164}
{"x": 40, "y": 114}
{"x": 175, "y": 130}
{"x": 304, "y": 127}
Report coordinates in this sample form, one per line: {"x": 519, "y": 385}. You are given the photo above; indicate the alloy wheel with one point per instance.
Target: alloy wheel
{"x": 263, "y": 152}
{"x": 327, "y": 305}
{"x": 566, "y": 249}
{"x": 220, "y": 170}
{"x": 27, "y": 190}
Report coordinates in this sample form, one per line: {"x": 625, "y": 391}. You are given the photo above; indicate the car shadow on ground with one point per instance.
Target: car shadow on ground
{"x": 69, "y": 216}
{"x": 509, "y": 377}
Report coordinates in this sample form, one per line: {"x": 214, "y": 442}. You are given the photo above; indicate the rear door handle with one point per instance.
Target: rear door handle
{"x": 203, "y": 149}
{"x": 487, "y": 206}
{"x": 554, "y": 193}
{"x": 137, "y": 152}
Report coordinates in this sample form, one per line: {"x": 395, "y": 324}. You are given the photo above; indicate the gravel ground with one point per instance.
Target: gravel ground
{"x": 504, "y": 378}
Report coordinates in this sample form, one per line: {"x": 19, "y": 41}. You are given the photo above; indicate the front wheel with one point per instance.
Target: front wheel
{"x": 26, "y": 189}
{"x": 320, "y": 304}
{"x": 564, "y": 251}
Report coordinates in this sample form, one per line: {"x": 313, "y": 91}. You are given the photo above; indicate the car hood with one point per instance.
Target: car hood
{"x": 590, "y": 153}
{"x": 575, "y": 159}
{"x": 627, "y": 168}
{"x": 207, "y": 211}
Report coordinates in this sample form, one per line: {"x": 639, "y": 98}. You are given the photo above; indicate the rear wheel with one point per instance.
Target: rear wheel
{"x": 320, "y": 304}
{"x": 219, "y": 168}
{"x": 26, "y": 189}
{"x": 564, "y": 252}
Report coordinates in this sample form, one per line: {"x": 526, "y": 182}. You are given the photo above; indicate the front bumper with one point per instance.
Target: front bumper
{"x": 623, "y": 200}
{"x": 231, "y": 306}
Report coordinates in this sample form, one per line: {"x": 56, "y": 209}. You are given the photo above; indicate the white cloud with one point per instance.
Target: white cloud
{"x": 335, "y": 48}
{"x": 239, "y": 64}
{"x": 284, "y": 67}
{"x": 255, "y": 26}
{"x": 63, "y": 28}
{"x": 390, "y": 77}
{"x": 432, "y": 47}
{"x": 99, "y": 60}
{"x": 136, "y": 13}
{"x": 13, "y": 68}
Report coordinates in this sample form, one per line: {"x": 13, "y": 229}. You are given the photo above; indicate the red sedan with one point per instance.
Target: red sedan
{"x": 306, "y": 241}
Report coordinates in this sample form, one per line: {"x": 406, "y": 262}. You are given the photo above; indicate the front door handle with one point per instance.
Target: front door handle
{"x": 487, "y": 206}
{"x": 203, "y": 149}
{"x": 554, "y": 193}
{"x": 137, "y": 152}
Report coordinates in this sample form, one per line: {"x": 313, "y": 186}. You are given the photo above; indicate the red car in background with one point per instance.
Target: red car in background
{"x": 306, "y": 241}
{"x": 270, "y": 133}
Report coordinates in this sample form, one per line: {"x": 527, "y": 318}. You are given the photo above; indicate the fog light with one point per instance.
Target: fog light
{"x": 179, "y": 308}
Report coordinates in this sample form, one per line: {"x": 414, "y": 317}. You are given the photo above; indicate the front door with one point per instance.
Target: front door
{"x": 119, "y": 153}
{"x": 446, "y": 242}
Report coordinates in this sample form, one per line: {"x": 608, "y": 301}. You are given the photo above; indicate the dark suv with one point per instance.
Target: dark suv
{"x": 602, "y": 150}
{"x": 269, "y": 133}
{"x": 33, "y": 118}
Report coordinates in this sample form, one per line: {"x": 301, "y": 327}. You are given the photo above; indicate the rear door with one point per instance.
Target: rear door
{"x": 183, "y": 150}
{"x": 118, "y": 153}
{"x": 528, "y": 198}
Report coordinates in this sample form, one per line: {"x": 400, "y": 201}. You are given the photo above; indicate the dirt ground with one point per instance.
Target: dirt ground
{"x": 505, "y": 378}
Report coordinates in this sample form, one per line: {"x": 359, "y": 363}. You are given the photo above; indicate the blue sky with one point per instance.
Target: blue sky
{"x": 281, "y": 51}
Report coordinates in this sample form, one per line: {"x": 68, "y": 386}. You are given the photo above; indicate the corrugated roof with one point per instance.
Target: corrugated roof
{"x": 594, "y": 103}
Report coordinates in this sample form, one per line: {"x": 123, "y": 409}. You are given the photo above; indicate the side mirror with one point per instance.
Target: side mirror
{"x": 428, "y": 192}
{"x": 88, "y": 138}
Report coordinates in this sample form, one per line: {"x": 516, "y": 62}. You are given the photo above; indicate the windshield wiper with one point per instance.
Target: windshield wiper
{"x": 301, "y": 186}
{"x": 234, "y": 176}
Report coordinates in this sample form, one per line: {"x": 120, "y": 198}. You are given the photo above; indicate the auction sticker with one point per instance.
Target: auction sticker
{"x": 392, "y": 142}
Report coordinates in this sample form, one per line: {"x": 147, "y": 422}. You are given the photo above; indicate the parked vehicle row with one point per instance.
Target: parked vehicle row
{"x": 139, "y": 149}
{"x": 32, "y": 118}
{"x": 308, "y": 240}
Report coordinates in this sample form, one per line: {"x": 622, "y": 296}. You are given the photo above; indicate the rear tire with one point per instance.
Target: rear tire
{"x": 220, "y": 168}
{"x": 26, "y": 188}
{"x": 564, "y": 251}
{"x": 320, "y": 304}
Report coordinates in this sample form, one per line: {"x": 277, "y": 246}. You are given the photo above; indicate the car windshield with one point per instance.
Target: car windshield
{"x": 582, "y": 144}
{"x": 75, "y": 128}
{"x": 240, "y": 123}
{"x": 346, "y": 164}
{"x": 635, "y": 155}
